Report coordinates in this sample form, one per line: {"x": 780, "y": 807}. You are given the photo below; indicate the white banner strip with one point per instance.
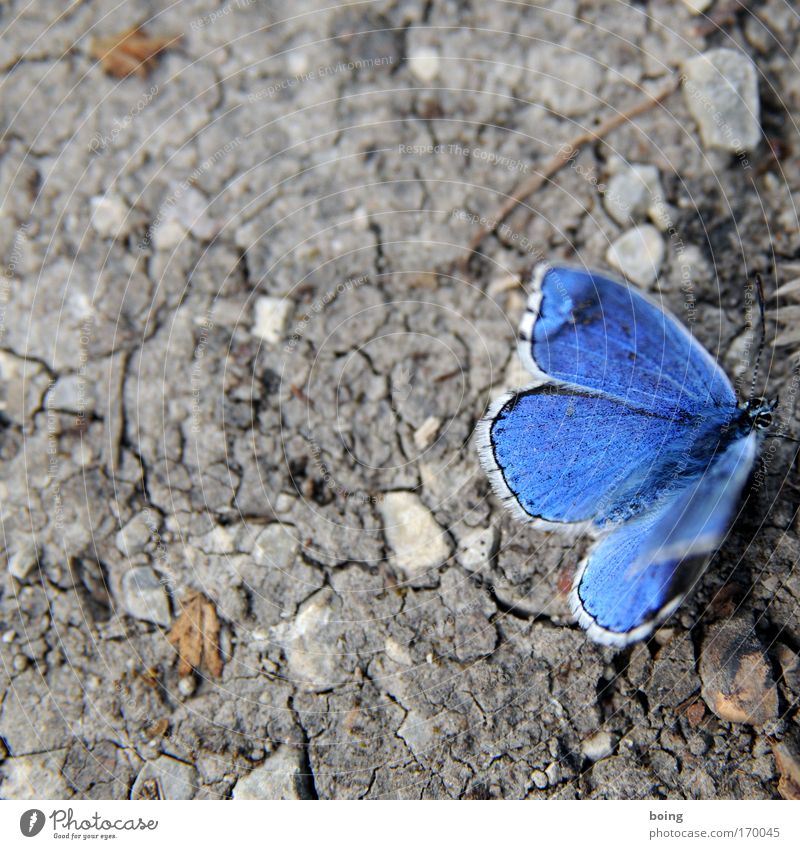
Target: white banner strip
{"x": 612, "y": 824}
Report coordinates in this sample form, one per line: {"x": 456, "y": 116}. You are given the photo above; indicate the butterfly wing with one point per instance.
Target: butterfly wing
{"x": 586, "y": 329}
{"x": 635, "y": 577}
{"x": 564, "y": 454}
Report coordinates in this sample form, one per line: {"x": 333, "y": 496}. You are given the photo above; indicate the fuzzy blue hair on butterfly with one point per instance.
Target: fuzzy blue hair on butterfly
{"x": 630, "y": 432}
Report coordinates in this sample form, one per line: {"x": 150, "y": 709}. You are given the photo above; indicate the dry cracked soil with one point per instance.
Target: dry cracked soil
{"x": 242, "y": 366}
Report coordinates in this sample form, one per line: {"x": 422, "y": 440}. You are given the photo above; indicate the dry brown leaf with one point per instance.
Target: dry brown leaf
{"x": 129, "y": 52}
{"x": 196, "y": 636}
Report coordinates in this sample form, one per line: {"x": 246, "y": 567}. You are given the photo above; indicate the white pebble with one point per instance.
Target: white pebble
{"x": 697, "y": 7}
{"x": 638, "y": 254}
{"x": 270, "y": 316}
{"x": 424, "y": 64}
{"x": 553, "y": 773}
{"x": 417, "y": 542}
{"x": 476, "y": 549}
{"x": 297, "y": 62}
{"x": 631, "y": 192}
{"x": 168, "y": 235}
{"x": 425, "y": 434}
{"x": 23, "y": 560}
{"x": 721, "y": 91}
{"x": 598, "y": 746}
{"x": 110, "y": 216}
{"x": 187, "y": 686}
{"x": 144, "y": 596}
{"x": 539, "y": 779}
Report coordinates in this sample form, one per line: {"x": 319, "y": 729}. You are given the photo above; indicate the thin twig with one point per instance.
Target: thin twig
{"x": 565, "y": 153}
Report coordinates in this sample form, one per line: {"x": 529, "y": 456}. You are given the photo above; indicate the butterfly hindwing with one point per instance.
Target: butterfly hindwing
{"x": 638, "y": 574}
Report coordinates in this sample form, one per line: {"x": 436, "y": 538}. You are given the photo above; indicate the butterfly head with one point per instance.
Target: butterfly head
{"x": 760, "y": 412}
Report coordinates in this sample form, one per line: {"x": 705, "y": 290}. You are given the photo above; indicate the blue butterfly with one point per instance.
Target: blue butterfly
{"x": 632, "y": 434}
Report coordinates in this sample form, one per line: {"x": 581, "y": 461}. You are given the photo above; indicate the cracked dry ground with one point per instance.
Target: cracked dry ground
{"x": 229, "y": 386}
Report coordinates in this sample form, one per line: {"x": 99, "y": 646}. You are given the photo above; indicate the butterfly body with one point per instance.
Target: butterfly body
{"x": 631, "y": 434}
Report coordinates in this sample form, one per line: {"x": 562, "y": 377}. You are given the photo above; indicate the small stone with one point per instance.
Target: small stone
{"x": 695, "y": 713}
{"x": 425, "y": 434}
{"x": 23, "y": 561}
{"x": 663, "y": 635}
{"x": 697, "y": 7}
{"x": 32, "y": 777}
{"x": 477, "y": 548}
{"x": 598, "y": 746}
{"x": 167, "y": 235}
{"x": 553, "y": 773}
{"x": 502, "y": 284}
{"x": 134, "y": 536}
{"x": 110, "y": 216}
{"x": 8, "y": 636}
{"x": 219, "y": 540}
{"x": 787, "y": 760}
{"x": 424, "y": 64}
{"x": 790, "y": 669}
{"x": 187, "y": 686}
{"x": 721, "y": 91}
{"x": 631, "y": 192}
{"x": 638, "y": 254}
{"x": 661, "y": 214}
{"x": 275, "y": 547}
{"x": 191, "y": 210}
{"x": 539, "y": 779}
{"x": 397, "y": 652}
{"x": 737, "y": 679}
{"x": 312, "y": 643}
{"x": 417, "y": 732}
{"x": 165, "y": 778}
{"x": 417, "y": 542}
{"x": 270, "y": 316}
{"x": 279, "y": 777}
{"x": 297, "y": 62}
{"x": 144, "y": 596}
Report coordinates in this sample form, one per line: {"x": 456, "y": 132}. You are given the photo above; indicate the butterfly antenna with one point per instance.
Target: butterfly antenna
{"x": 761, "y": 342}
